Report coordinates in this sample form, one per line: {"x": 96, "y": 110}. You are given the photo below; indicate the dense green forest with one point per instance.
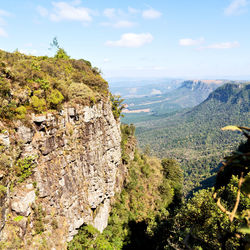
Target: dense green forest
{"x": 150, "y": 212}
{"x": 194, "y": 137}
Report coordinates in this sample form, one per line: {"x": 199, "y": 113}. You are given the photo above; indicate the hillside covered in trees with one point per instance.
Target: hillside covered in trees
{"x": 194, "y": 136}
{"x": 214, "y": 218}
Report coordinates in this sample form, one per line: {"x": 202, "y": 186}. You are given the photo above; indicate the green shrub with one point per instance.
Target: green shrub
{"x": 89, "y": 238}
{"x": 80, "y": 91}
{"x": 21, "y": 112}
{"x": 18, "y": 218}
{"x": 4, "y": 88}
{"x": 117, "y": 106}
{"x": 61, "y": 54}
{"x": 55, "y": 98}
{"x": 7, "y": 109}
{"x": 24, "y": 168}
{"x": 3, "y": 190}
{"x": 42, "y": 83}
{"x": 5, "y": 161}
{"x": 38, "y": 219}
{"x": 39, "y": 105}
{"x": 96, "y": 71}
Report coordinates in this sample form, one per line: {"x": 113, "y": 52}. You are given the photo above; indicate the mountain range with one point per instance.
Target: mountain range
{"x": 189, "y": 94}
{"x": 194, "y": 136}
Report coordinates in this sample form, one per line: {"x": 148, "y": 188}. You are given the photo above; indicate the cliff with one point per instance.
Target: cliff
{"x": 193, "y": 92}
{"x": 60, "y": 165}
{"x": 76, "y": 156}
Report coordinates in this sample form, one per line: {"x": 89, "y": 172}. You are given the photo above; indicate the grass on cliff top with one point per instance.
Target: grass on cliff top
{"x": 37, "y": 84}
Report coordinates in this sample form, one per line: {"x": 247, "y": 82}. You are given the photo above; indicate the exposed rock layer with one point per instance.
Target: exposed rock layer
{"x": 77, "y": 172}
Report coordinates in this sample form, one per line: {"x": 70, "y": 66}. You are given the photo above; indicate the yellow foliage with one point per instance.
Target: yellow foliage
{"x": 232, "y": 128}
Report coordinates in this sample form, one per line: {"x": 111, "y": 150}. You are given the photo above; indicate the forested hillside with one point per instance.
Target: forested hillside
{"x": 150, "y": 214}
{"x": 151, "y": 190}
{"x": 194, "y": 137}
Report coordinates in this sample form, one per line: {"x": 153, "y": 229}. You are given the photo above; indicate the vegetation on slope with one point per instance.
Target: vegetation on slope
{"x": 195, "y": 138}
{"x": 150, "y": 187}
{"x": 218, "y": 218}
{"x": 214, "y": 218}
{"x": 29, "y": 85}
{"x": 38, "y": 84}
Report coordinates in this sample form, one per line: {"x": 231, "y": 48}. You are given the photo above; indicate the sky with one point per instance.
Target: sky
{"x": 160, "y": 38}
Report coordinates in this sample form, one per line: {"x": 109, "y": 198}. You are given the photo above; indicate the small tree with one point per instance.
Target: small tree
{"x": 117, "y": 106}
{"x": 60, "y": 52}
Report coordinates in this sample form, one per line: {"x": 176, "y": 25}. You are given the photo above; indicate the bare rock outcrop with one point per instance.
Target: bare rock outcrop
{"x": 77, "y": 159}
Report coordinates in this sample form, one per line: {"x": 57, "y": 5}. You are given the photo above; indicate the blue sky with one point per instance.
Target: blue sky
{"x": 160, "y": 38}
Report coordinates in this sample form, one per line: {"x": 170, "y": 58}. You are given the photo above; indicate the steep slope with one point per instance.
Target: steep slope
{"x": 194, "y": 137}
{"x": 193, "y": 92}
{"x": 60, "y": 161}
{"x": 218, "y": 217}
{"x": 151, "y": 188}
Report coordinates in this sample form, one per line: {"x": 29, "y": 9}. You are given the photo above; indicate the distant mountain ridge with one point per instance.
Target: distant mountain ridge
{"x": 189, "y": 94}
{"x": 193, "y": 92}
{"x": 194, "y": 137}
{"x": 233, "y": 92}
{"x": 230, "y": 97}
{"x": 208, "y": 85}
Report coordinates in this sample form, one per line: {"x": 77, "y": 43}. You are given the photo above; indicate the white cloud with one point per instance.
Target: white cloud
{"x": 106, "y": 60}
{"x": 119, "y": 18}
{"x": 124, "y": 24}
{"x": 225, "y": 45}
{"x": 191, "y": 42}
{"x": 151, "y": 14}
{"x": 4, "y": 13}
{"x": 132, "y": 10}
{"x": 3, "y": 33}
{"x": 119, "y": 24}
{"x": 109, "y": 13}
{"x": 65, "y": 11}
{"x": 42, "y": 11}
{"x": 131, "y": 40}
{"x": 155, "y": 92}
{"x": 236, "y": 7}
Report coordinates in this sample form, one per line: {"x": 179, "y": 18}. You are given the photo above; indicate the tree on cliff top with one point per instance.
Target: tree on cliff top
{"x": 60, "y": 52}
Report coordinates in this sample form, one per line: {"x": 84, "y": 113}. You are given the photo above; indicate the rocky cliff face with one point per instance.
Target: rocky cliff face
{"x": 202, "y": 85}
{"x": 71, "y": 167}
